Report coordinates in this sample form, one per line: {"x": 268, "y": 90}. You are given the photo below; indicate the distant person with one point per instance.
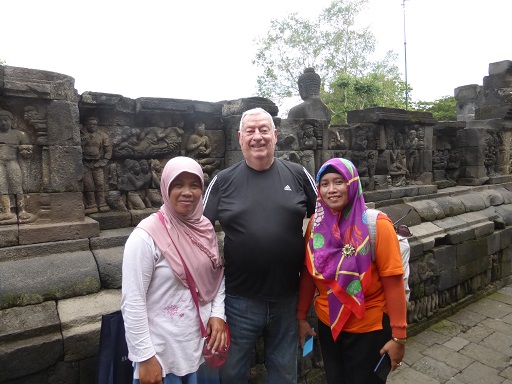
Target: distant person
{"x": 309, "y": 89}
{"x": 361, "y": 304}
{"x": 161, "y": 320}
{"x": 261, "y": 203}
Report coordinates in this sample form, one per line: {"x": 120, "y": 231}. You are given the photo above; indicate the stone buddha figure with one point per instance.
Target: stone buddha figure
{"x": 312, "y": 107}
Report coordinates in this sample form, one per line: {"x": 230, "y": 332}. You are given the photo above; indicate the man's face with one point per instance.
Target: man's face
{"x": 5, "y": 123}
{"x": 258, "y": 140}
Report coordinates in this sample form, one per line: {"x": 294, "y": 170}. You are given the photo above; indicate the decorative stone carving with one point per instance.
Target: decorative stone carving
{"x": 97, "y": 151}
{"x": 15, "y": 150}
{"x": 200, "y": 149}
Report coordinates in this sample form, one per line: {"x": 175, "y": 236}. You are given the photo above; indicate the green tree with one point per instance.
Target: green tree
{"x": 331, "y": 44}
{"x": 339, "y": 52}
{"x": 382, "y": 86}
{"x": 443, "y": 109}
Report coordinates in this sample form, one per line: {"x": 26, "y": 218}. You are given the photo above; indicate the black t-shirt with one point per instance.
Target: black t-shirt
{"x": 261, "y": 213}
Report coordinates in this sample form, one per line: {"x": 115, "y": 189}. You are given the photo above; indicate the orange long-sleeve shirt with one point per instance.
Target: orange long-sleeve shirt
{"x": 385, "y": 293}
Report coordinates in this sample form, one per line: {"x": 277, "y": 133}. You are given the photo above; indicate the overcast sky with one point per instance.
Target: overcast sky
{"x": 202, "y": 50}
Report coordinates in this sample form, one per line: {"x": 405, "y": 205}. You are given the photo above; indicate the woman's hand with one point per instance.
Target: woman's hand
{"x": 395, "y": 351}
{"x": 217, "y": 330}
{"x": 304, "y": 329}
{"x": 150, "y": 372}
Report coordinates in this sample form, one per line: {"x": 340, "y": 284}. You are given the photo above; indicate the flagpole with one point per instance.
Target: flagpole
{"x": 405, "y": 59}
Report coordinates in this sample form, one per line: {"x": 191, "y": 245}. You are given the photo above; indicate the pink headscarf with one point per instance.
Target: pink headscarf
{"x": 193, "y": 236}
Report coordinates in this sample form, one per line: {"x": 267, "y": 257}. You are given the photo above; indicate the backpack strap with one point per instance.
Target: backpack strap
{"x": 371, "y": 221}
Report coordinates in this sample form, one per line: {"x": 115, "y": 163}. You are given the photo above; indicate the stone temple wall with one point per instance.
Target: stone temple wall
{"x": 78, "y": 172}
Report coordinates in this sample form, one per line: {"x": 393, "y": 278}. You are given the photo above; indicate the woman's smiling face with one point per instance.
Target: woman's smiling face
{"x": 185, "y": 193}
{"x": 334, "y": 191}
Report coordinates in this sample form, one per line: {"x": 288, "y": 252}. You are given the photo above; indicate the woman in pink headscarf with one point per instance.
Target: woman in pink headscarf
{"x": 161, "y": 320}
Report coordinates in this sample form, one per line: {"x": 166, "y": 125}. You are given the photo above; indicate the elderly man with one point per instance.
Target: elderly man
{"x": 261, "y": 203}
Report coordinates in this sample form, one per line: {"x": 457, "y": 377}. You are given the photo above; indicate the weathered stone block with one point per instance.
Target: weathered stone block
{"x": 493, "y": 243}
{"x": 51, "y": 277}
{"x": 483, "y": 229}
{"x": 112, "y": 220}
{"x": 110, "y": 262}
{"x": 428, "y": 210}
{"x": 467, "y": 92}
{"x": 381, "y": 194}
{"x": 239, "y": 106}
{"x": 111, "y": 238}
{"x": 473, "y": 202}
{"x": 505, "y": 212}
{"x": 48, "y": 232}
{"x": 38, "y": 84}
{"x": 63, "y": 372}
{"x": 467, "y": 271}
{"x": 484, "y": 263}
{"x": 81, "y": 322}
{"x": 448, "y": 278}
{"x": 505, "y": 237}
{"x": 63, "y": 123}
{"x": 67, "y": 206}
{"x": 138, "y": 216}
{"x": 8, "y": 235}
{"x": 65, "y": 168}
{"x": 446, "y": 257}
{"x": 27, "y": 356}
{"x": 491, "y": 197}
{"x": 43, "y": 249}
{"x": 467, "y": 252}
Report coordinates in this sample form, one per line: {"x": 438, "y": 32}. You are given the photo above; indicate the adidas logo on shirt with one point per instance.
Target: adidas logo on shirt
{"x": 287, "y": 188}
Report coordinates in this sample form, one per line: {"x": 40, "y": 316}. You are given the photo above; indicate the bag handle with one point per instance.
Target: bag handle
{"x": 190, "y": 279}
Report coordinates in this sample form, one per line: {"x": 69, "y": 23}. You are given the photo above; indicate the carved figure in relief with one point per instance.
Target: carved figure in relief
{"x": 199, "y": 148}
{"x": 34, "y": 118}
{"x": 490, "y": 155}
{"x": 132, "y": 182}
{"x": 411, "y": 145}
{"x": 308, "y": 137}
{"x": 14, "y": 144}
{"x": 96, "y": 152}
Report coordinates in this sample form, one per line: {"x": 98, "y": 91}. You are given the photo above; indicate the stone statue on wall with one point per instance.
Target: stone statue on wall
{"x": 14, "y": 147}
{"x": 96, "y": 152}
{"x": 308, "y": 137}
{"x": 312, "y": 107}
{"x": 135, "y": 180}
{"x": 411, "y": 146}
{"x": 199, "y": 148}
{"x": 490, "y": 155}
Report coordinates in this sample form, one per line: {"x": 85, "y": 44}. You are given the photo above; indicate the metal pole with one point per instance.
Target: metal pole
{"x": 405, "y": 58}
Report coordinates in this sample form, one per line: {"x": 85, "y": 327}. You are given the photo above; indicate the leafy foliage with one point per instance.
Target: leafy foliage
{"x": 331, "y": 45}
{"x": 382, "y": 86}
{"x": 339, "y": 52}
{"x": 443, "y": 109}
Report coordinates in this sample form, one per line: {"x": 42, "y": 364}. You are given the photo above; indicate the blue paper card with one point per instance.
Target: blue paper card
{"x": 308, "y": 345}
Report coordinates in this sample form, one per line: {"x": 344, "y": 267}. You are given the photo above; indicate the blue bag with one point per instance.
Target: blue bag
{"x": 113, "y": 364}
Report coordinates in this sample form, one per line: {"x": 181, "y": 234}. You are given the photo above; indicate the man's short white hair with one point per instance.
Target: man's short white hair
{"x": 256, "y": 111}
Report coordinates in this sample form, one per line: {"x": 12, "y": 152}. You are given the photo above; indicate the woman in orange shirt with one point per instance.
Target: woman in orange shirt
{"x": 361, "y": 305}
